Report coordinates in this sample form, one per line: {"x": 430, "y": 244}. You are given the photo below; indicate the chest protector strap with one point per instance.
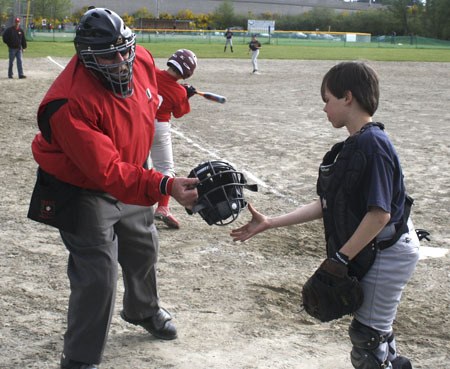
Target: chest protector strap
{"x": 340, "y": 175}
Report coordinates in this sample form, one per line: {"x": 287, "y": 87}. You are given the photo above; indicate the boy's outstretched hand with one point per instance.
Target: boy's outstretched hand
{"x": 257, "y": 224}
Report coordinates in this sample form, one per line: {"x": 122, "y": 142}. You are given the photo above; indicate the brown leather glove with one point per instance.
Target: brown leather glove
{"x": 330, "y": 293}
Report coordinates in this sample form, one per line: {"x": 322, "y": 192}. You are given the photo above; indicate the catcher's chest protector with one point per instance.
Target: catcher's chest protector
{"x": 338, "y": 186}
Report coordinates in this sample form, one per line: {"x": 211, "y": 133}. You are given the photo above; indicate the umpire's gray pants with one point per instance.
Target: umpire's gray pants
{"x": 108, "y": 232}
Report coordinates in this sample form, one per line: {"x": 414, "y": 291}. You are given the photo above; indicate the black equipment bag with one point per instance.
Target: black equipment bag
{"x": 53, "y": 202}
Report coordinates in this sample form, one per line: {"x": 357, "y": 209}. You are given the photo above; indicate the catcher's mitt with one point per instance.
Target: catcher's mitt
{"x": 331, "y": 293}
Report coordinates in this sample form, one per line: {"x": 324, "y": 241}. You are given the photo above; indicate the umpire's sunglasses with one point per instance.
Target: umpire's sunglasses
{"x": 112, "y": 54}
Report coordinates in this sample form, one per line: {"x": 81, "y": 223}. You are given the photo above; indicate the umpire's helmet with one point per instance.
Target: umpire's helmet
{"x": 102, "y": 34}
{"x": 220, "y": 192}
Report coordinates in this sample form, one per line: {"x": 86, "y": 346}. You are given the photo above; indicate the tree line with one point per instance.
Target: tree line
{"x": 430, "y": 18}
{"x": 426, "y": 18}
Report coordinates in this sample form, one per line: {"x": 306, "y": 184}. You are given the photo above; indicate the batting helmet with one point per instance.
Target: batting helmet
{"x": 220, "y": 192}
{"x": 184, "y": 61}
{"x": 100, "y": 35}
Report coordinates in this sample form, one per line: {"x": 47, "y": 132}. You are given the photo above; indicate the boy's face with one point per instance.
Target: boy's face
{"x": 335, "y": 109}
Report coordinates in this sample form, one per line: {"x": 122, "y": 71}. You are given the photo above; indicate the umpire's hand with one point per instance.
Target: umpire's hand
{"x": 184, "y": 190}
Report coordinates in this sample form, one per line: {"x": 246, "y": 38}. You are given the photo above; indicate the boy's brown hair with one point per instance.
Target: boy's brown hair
{"x": 358, "y": 78}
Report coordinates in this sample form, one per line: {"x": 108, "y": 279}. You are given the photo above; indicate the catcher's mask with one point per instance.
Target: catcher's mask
{"x": 220, "y": 192}
{"x": 100, "y": 36}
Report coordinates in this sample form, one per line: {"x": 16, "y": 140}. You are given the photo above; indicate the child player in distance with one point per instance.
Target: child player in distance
{"x": 174, "y": 101}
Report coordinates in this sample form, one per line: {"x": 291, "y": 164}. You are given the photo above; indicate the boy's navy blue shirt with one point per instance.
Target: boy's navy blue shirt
{"x": 382, "y": 185}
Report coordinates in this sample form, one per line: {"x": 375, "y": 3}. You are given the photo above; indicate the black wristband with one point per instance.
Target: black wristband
{"x": 341, "y": 258}
{"x": 163, "y": 185}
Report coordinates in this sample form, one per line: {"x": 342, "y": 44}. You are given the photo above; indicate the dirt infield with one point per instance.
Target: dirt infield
{"x": 236, "y": 306}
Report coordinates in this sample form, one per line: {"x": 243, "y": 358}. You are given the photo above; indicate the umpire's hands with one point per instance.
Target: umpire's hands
{"x": 184, "y": 190}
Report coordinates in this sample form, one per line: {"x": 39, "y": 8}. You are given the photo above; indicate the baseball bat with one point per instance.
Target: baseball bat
{"x": 212, "y": 96}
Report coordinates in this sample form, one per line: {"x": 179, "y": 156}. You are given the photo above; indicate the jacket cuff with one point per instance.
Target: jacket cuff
{"x": 165, "y": 186}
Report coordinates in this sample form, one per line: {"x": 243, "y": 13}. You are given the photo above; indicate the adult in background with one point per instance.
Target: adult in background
{"x": 174, "y": 101}
{"x": 14, "y": 37}
{"x": 253, "y": 47}
{"x": 97, "y": 125}
{"x": 228, "y": 40}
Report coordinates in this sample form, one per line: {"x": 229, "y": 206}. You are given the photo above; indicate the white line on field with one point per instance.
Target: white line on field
{"x": 248, "y": 174}
{"x": 55, "y": 62}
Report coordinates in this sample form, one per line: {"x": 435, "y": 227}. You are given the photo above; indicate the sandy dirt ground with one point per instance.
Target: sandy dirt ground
{"x": 236, "y": 306}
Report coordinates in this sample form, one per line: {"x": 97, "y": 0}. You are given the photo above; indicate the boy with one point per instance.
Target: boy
{"x": 254, "y": 46}
{"x": 362, "y": 201}
{"x": 173, "y": 101}
{"x": 228, "y": 40}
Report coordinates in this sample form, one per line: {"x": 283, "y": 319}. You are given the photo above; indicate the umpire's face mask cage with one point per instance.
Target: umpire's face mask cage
{"x": 107, "y": 46}
{"x": 220, "y": 192}
{"x": 118, "y": 76}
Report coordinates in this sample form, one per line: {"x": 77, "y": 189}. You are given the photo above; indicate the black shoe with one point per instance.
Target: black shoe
{"x": 159, "y": 325}
{"x": 10, "y": 77}
{"x": 66, "y": 363}
{"x": 22, "y": 77}
{"x": 401, "y": 362}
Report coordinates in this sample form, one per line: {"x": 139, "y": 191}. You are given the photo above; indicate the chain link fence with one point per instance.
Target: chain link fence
{"x": 274, "y": 38}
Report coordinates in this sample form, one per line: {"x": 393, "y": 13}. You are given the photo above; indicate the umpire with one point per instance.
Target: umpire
{"x": 97, "y": 124}
{"x": 14, "y": 37}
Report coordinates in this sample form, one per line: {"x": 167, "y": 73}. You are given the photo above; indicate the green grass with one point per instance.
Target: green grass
{"x": 300, "y": 52}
